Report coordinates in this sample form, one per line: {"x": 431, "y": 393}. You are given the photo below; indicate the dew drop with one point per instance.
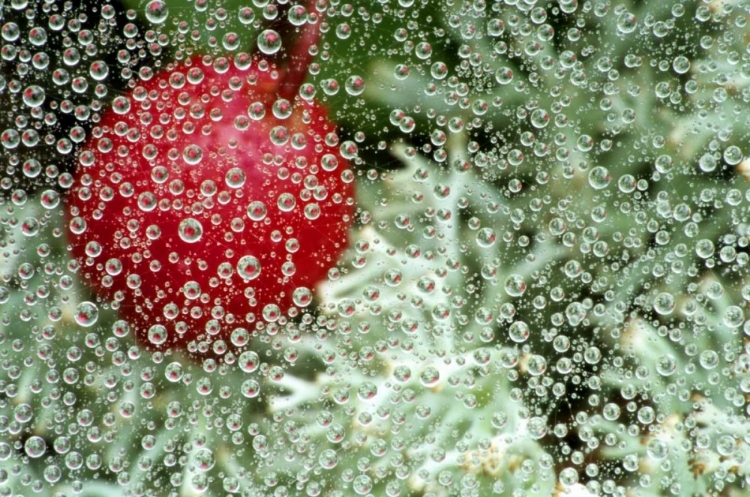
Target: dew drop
{"x": 190, "y": 230}
{"x": 302, "y": 296}
{"x": 257, "y": 210}
{"x": 33, "y": 96}
{"x": 35, "y": 446}
{"x": 599, "y": 178}
{"x": 355, "y": 85}
{"x": 269, "y": 42}
{"x": 248, "y": 361}
{"x": 664, "y": 303}
{"x": 87, "y": 313}
{"x": 192, "y": 154}
{"x": 515, "y": 285}
{"x": 248, "y": 267}
{"x": 157, "y": 334}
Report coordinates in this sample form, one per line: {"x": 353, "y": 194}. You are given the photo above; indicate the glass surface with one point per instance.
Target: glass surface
{"x": 387, "y": 247}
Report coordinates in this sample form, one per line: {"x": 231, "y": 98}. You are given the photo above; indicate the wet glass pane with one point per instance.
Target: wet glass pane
{"x": 381, "y": 248}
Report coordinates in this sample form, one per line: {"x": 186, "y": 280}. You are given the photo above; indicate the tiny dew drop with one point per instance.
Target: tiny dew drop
{"x": 190, "y": 230}
{"x": 486, "y": 237}
{"x": 248, "y": 361}
{"x": 248, "y": 267}
{"x": 664, "y": 303}
{"x": 35, "y": 446}
{"x": 33, "y": 96}
{"x": 429, "y": 376}
{"x": 157, "y": 334}
{"x": 626, "y": 23}
{"x": 515, "y": 286}
{"x": 257, "y": 210}
{"x": 269, "y": 42}
{"x": 87, "y": 313}
{"x": 519, "y": 331}
{"x": 286, "y": 202}
{"x": 192, "y": 154}
{"x": 707, "y": 163}
{"x": 302, "y": 297}
{"x": 733, "y": 155}
{"x": 157, "y": 11}
{"x": 599, "y": 177}
{"x": 282, "y": 108}
{"x": 235, "y": 178}
{"x": 355, "y": 85}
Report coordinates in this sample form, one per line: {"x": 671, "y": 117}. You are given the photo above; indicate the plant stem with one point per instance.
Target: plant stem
{"x": 298, "y": 56}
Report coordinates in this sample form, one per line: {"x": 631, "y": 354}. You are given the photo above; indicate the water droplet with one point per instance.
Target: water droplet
{"x": 249, "y": 361}
{"x": 666, "y": 365}
{"x": 235, "y": 178}
{"x": 540, "y": 118}
{"x": 519, "y": 331}
{"x": 709, "y": 359}
{"x": 355, "y": 85}
{"x": 626, "y": 23}
{"x": 439, "y": 70}
{"x": 733, "y": 317}
{"x": 486, "y": 237}
{"x": 35, "y": 446}
{"x": 33, "y": 96}
{"x": 10, "y": 138}
{"x": 269, "y": 42}
{"x": 429, "y": 376}
{"x": 248, "y": 267}
{"x": 681, "y": 64}
{"x": 246, "y": 15}
{"x": 504, "y": 76}
{"x": 568, "y": 477}
{"x": 297, "y": 15}
{"x": 343, "y": 31}
{"x": 733, "y": 155}
{"x": 599, "y": 177}
{"x": 286, "y": 202}
{"x": 707, "y": 162}
{"x": 664, "y": 303}
{"x": 157, "y": 334}
{"x": 99, "y": 70}
{"x": 302, "y": 296}
{"x": 515, "y": 285}
{"x": 282, "y": 108}
{"x": 173, "y": 372}
{"x": 192, "y": 154}
{"x": 190, "y": 230}
{"x": 87, "y": 313}
{"x": 157, "y": 11}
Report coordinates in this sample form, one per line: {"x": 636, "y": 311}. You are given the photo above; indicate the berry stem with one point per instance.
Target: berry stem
{"x": 298, "y": 56}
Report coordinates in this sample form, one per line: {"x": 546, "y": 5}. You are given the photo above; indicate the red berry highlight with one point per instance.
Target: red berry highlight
{"x": 205, "y": 203}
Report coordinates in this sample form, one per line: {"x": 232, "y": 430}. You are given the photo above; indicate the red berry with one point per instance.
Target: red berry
{"x": 205, "y": 203}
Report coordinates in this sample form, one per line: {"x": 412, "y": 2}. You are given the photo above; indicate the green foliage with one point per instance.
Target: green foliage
{"x": 545, "y": 291}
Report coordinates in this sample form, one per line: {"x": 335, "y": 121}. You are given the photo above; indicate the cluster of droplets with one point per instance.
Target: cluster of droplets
{"x": 562, "y": 259}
